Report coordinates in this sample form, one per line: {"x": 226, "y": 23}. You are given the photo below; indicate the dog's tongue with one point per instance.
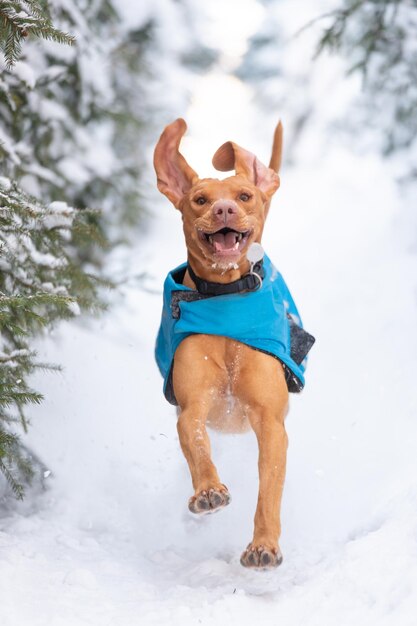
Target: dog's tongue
{"x": 224, "y": 241}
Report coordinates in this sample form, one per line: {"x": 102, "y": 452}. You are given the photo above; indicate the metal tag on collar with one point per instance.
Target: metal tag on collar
{"x": 255, "y": 254}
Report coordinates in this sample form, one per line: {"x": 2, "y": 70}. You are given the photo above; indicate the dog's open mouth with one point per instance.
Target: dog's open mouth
{"x": 227, "y": 241}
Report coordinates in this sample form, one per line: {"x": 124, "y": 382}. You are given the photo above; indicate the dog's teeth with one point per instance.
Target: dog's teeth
{"x": 210, "y": 239}
{"x": 240, "y": 237}
{"x": 236, "y": 246}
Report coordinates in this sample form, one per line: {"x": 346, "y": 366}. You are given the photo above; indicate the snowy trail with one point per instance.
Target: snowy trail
{"x": 111, "y": 541}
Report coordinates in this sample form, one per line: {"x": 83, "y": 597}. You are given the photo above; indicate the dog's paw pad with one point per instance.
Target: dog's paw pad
{"x": 259, "y": 557}
{"x": 209, "y": 500}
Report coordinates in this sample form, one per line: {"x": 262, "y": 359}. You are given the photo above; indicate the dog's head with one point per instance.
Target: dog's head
{"x": 221, "y": 217}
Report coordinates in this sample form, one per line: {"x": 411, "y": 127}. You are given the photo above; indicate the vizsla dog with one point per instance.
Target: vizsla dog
{"x": 231, "y": 345}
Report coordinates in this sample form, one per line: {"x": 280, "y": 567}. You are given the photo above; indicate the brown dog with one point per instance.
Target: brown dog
{"x": 219, "y": 381}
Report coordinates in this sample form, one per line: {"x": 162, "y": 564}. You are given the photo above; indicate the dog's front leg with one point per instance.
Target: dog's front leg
{"x": 264, "y": 550}
{"x": 267, "y": 408}
{"x": 209, "y": 492}
{"x": 196, "y": 379}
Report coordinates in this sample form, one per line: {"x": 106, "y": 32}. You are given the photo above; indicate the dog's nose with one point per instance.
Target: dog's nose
{"x": 223, "y": 210}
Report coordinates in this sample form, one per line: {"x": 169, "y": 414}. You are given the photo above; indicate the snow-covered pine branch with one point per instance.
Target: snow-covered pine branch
{"x": 19, "y": 20}
{"x": 41, "y": 282}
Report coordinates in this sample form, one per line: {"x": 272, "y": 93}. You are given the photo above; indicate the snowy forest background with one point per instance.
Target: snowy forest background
{"x": 93, "y": 525}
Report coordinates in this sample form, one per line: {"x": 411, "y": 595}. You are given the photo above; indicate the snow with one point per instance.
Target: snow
{"x": 8, "y": 146}
{"x": 49, "y": 110}
{"x": 74, "y": 308}
{"x": 26, "y": 74}
{"x": 44, "y": 259}
{"x": 5, "y": 183}
{"x": 13, "y": 355}
{"x": 110, "y": 540}
{"x": 60, "y": 216}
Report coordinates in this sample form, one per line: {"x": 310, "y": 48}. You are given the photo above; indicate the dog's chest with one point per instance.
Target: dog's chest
{"x": 229, "y": 355}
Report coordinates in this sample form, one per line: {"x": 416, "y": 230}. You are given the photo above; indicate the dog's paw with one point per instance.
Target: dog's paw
{"x": 261, "y": 557}
{"x": 209, "y": 500}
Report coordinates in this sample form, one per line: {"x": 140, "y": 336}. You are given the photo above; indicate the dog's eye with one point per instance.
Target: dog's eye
{"x": 244, "y": 197}
{"x": 200, "y": 200}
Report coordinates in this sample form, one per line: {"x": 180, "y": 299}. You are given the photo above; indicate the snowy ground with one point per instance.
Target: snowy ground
{"x": 111, "y": 542}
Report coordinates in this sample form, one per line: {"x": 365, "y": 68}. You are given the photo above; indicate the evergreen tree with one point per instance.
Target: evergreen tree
{"x": 76, "y": 119}
{"x": 63, "y": 119}
{"x": 41, "y": 278}
{"x": 378, "y": 38}
{"x": 41, "y": 281}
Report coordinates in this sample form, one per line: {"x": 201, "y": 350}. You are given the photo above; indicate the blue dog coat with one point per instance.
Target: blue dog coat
{"x": 266, "y": 320}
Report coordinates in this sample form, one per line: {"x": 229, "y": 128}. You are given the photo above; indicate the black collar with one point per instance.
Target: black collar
{"x": 248, "y": 282}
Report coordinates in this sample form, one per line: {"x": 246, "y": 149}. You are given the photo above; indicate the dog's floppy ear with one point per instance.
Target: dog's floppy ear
{"x": 231, "y": 156}
{"x": 175, "y": 176}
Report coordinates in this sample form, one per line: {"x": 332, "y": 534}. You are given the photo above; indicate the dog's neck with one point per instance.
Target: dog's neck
{"x": 215, "y": 273}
